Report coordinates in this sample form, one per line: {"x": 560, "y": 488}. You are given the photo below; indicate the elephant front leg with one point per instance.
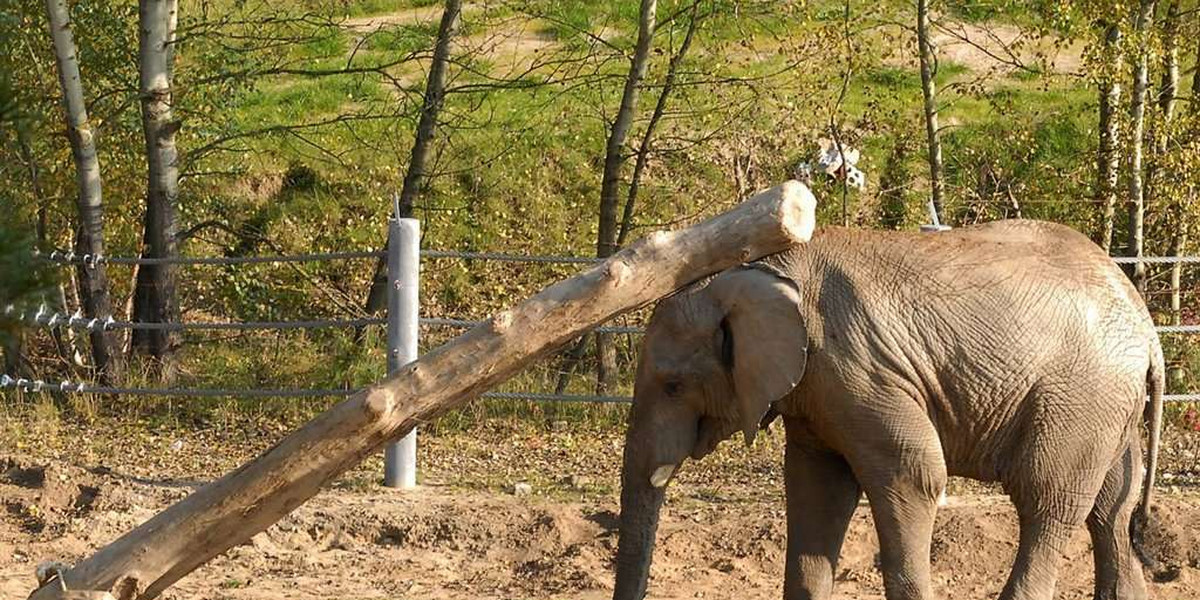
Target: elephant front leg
{"x": 904, "y": 522}
{"x": 822, "y": 494}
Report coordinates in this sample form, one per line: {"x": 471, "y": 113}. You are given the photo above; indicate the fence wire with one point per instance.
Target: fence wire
{"x": 1178, "y": 328}
{"x": 37, "y": 386}
{"x": 49, "y": 319}
{"x": 61, "y": 257}
{"x": 54, "y": 320}
{"x": 68, "y": 387}
{"x": 65, "y": 257}
{"x": 1155, "y": 260}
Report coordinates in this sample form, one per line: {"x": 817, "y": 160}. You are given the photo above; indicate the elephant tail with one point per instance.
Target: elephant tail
{"x": 1155, "y": 382}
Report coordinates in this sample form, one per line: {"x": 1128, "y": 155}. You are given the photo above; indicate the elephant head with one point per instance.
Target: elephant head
{"x": 714, "y": 358}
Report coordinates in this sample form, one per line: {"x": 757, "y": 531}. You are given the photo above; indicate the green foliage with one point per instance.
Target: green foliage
{"x": 24, "y": 280}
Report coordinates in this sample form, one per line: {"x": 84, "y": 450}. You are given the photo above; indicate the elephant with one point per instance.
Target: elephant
{"x": 1014, "y": 352}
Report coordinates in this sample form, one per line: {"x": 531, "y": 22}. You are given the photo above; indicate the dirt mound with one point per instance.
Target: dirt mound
{"x": 439, "y": 543}
{"x": 1170, "y": 542}
{"x": 43, "y": 499}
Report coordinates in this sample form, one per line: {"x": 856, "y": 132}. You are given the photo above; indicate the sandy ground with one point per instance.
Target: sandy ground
{"x": 438, "y": 542}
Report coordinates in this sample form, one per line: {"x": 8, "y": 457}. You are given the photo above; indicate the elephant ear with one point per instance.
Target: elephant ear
{"x": 765, "y": 340}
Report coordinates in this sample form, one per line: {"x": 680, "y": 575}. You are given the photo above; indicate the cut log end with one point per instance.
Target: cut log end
{"x": 797, "y": 208}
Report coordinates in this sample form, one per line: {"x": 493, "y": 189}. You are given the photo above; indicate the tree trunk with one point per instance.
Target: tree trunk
{"x": 155, "y": 298}
{"x": 1137, "y": 112}
{"x": 227, "y": 512}
{"x": 62, "y": 340}
{"x": 89, "y": 238}
{"x": 1195, "y": 99}
{"x": 1165, "y": 101}
{"x": 414, "y": 177}
{"x": 660, "y": 108}
{"x": 929, "y": 92}
{"x": 1170, "y": 75}
{"x": 606, "y": 240}
{"x": 35, "y": 181}
{"x": 13, "y": 363}
{"x": 1108, "y": 155}
{"x": 1178, "y": 247}
{"x": 893, "y": 181}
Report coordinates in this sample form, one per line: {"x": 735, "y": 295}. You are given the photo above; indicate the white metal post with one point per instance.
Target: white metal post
{"x": 403, "y": 265}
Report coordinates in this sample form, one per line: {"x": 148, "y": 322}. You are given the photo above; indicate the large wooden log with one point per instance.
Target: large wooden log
{"x": 227, "y": 512}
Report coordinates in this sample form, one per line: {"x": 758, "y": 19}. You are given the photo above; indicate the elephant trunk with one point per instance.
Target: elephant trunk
{"x": 658, "y": 439}
{"x": 640, "y": 505}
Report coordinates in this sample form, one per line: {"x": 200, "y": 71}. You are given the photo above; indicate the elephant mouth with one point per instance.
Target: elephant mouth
{"x": 710, "y": 433}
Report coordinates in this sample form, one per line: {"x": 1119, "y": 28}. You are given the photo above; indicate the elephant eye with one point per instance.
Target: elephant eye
{"x": 672, "y": 388}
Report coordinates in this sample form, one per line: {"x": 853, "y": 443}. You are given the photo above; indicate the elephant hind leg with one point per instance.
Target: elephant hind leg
{"x": 1053, "y": 491}
{"x": 822, "y": 495}
{"x": 1118, "y": 571}
{"x": 1046, "y": 526}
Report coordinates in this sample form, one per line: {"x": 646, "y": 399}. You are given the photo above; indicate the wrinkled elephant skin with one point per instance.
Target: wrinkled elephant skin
{"x": 1013, "y": 352}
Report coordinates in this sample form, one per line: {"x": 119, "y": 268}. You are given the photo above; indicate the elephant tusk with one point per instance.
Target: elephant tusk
{"x": 661, "y": 475}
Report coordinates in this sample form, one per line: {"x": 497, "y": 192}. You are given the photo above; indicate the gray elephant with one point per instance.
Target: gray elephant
{"x": 1013, "y": 352}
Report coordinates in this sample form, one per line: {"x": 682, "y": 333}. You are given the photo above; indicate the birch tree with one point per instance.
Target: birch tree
{"x": 155, "y": 298}
{"x": 89, "y": 235}
{"x": 614, "y": 160}
{"x": 1160, "y": 127}
{"x": 928, "y": 60}
{"x": 645, "y": 149}
{"x": 1137, "y": 115}
{"x": 1107, "y": 155}
{"x": 1179, "y": 241}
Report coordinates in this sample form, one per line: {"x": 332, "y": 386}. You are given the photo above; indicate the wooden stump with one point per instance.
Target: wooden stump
{"x": 144, "y": 562}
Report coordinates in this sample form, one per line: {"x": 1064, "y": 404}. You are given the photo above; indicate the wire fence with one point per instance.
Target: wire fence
{"x": 46, "y": 318}
{"x": 36, "y": 386}
{"x": 62, "y": 257}
{"x": 55, "y": 320}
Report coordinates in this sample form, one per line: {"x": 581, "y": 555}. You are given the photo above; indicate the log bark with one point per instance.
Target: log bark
{"x": 414, "y": 177}
{"x": 1137, "y": 115}
{"x": 928, "y": 60}
{"x": 155, "y": 299}
{"x": 1107, "y": 155}
{"x": 227, "y": 512}
{"x": 89, "y": 237}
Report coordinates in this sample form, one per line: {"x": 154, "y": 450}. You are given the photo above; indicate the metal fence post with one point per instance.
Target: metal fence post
{"x": 403, "y": 266}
